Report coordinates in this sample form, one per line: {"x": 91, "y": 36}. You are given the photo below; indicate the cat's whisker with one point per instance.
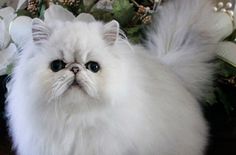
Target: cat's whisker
{"x": 60, "y": 86}
{"x": 89, "y": 85}
{"x": 57, "y": 107}
{"x": 123, "y": 39}
{"x": 90, "y": 89}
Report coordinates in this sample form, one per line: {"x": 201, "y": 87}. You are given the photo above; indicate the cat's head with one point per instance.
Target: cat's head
{"x": 76, "y": 61}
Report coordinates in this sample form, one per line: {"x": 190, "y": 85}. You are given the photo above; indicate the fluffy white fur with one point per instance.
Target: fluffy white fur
{"x": 143, "y": 101}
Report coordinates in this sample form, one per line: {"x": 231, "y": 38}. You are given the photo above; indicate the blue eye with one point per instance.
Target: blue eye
{"x": 93, "y": 66}
{"x": 57, "y": 65}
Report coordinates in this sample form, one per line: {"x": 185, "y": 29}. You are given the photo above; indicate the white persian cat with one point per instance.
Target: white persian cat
{"x": 82, "y": 89}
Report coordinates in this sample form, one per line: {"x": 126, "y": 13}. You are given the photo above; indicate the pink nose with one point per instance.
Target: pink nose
{"x": 75, "y": 69}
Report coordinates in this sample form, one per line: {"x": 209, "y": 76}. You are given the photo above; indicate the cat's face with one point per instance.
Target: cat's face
{"x": 76, "y": 62}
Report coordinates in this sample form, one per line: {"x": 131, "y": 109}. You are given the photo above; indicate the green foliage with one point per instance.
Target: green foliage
{"x": 134, "y": 33}
{"x": 231, "y": 37}
{"x": 102, "y": 15}
{"x": 226, "y": 70}
{"x": 42, "y": 9}
{"x": 24, "y": 13}
{"x": 9, "y": 68}
{"x": 224, "y": 91}
{"x": 123, "y": 11}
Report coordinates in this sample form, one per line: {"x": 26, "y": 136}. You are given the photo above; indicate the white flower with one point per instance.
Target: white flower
{"x": 227, "y": 52}
{"x": 7, "y": 49}
{"x": 226, "y": 23}
{"x": 105, "y": 4}
{"x": 56, "y": 13}
{"x": 21, "y": 28}
{"x": 6, "y": 16}
{"x": 225, "y": 26}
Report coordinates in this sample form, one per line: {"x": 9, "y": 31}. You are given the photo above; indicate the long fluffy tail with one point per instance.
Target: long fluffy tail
{"x": 183, "y": 37}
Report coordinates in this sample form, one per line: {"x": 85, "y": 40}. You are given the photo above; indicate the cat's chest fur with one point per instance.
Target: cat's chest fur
{"x": 104, "y": 132}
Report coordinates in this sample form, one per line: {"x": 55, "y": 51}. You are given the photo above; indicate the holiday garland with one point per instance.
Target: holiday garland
{"x": 132, "y": 15}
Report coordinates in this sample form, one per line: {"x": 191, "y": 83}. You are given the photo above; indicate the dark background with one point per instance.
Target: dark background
{"x": 222, "y": 124}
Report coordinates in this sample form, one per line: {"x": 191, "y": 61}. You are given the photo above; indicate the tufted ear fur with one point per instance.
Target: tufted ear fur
{"x": 40, "y": 32}
{"x": 111, "y": 32}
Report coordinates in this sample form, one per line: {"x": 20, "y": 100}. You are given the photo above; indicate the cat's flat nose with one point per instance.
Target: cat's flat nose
{"x": 75, "y": 69}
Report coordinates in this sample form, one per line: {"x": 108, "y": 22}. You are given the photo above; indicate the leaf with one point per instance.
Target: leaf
{"x": 133, "y": 30}
{"x": 225, "y": 69}
{"x": 23, "y": 13}
{"x": 134, "y": 33}
{"x": 231, "y": 37}
{"x": 42, "y": 11}
{"x": 210, "y": 98}
{"x": 224, "y": 98}
{"x": 123, "y": 11}
{"x": 102, "y": 15}
{"x": 9, "y": 68}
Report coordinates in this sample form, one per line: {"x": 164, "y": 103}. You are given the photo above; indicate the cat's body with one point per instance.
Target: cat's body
{"x": 135, "y": 104}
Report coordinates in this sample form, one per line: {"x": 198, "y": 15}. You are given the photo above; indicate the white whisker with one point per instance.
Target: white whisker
{"x": 61, "y": 85}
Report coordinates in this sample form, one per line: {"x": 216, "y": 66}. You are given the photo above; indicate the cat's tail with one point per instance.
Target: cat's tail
{"x": 183, "y": 37}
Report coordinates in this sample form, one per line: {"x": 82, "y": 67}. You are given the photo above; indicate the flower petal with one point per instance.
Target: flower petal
{"x": 21, "y": 4}
{"x": 21, "y": 30}
{"x": 7, "y": 15}
{"x": 227, "y": 52}
{"x": 85, "y": 17}
{"x": 2, "y": 34}
{"x": 6, "y": 11}
{"x": 7, "y": 56}
{"x": 57, "y": 13}
{"x": 105, "y": 4}
{"x": 224, "y": 27}
{"x": 7, "y": 19}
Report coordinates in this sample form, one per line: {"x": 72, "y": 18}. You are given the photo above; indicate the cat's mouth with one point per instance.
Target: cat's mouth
{"x": 76, "y": 83}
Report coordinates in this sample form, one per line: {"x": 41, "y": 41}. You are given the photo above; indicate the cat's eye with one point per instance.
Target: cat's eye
{"x": 57, "y": 65}
{"x": 93, "y": 66}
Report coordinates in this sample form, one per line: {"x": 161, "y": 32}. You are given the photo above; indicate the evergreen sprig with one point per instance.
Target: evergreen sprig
{"x": 126, "y": 12}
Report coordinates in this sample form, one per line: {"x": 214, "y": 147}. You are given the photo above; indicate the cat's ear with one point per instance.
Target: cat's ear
{"x": 40, "y": 32}
{"x": 111, "y": 32}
